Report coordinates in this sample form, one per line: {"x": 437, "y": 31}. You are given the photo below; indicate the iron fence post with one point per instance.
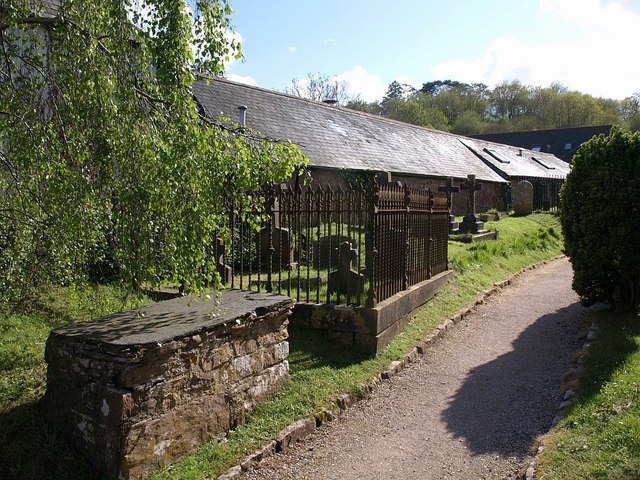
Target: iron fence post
{"x": 269, "y": 198}
{"x": 405, "y": 255}
{"x": 373, "y": 197}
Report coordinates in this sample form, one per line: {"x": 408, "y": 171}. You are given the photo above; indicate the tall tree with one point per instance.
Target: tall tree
{"x": 319, "y": 87}
{"x": 509, "y": 99}
{"x": 574, "y": 109}
{"x": 363, "y": 106}
{"x": 105, "y": 162}
{"x": 630, "y": 111}
{"x": 395, "y": 96}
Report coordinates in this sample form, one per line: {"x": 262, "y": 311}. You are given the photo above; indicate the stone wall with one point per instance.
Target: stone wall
{"x": 135, "y": 390}
{"x": 489, "y": 196}
{"x": 368, "y": 329}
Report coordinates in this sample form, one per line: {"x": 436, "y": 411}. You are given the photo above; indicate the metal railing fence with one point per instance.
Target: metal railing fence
{"x": 356, "y": 246}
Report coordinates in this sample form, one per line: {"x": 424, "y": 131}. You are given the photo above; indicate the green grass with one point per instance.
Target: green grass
{"x": 28, "y": 445}
{"x": 319, "y": 370}
{"x": 25, "y": 327}
{"x": 600, "y": 436}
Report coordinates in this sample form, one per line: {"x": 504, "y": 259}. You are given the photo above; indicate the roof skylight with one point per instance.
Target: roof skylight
{"x": 496, "y": 155}
{"x": 548, "y": 167}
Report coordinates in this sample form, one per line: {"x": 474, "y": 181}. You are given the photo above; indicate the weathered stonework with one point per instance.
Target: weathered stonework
{"x": 134, "y": 390}
{"x": 369, "y": 329}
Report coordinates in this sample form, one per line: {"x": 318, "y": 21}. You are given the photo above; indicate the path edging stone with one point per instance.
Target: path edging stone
{"x": 303, "y": 428}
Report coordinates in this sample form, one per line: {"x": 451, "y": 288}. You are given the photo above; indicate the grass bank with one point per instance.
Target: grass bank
{"x": 29, "y": 448}
{"x": 599, "y": 438}
{"x": 319, "y": 370}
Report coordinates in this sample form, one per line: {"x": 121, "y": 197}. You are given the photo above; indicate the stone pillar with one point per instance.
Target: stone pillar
{"x": 449, "y": 189}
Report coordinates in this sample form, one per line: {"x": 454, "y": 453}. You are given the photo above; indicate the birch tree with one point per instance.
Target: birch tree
{"x": 106, "y": 167}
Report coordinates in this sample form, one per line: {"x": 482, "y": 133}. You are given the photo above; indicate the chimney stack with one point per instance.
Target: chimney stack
{"x": 243, "y": 115}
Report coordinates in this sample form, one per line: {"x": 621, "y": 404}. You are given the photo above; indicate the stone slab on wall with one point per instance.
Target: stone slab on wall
{"x": 135, "y": 390}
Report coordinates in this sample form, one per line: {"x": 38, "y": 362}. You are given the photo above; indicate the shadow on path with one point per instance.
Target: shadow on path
{"x": 505, "y": 404}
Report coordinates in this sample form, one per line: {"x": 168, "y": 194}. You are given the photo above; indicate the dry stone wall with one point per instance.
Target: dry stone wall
{"x": 135, "y": 390}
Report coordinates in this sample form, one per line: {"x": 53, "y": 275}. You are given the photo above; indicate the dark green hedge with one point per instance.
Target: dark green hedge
{"x": 601, "y": 220}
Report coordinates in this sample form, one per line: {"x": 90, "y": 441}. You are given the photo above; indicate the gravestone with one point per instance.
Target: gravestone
{"x": 449, "y": 189}
{"x": 471, "y": 223}
{"x": 280, "y": 244}
{"x": 325, "y": 250}
{"x": 346, "y": 280}
{"x": 225, "y": 271}
{"x": 283, "y": 254}
{"x": 523, "y": 198}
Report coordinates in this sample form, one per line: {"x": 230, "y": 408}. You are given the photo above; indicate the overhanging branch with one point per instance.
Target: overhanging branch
{"x": 43, "y": 21}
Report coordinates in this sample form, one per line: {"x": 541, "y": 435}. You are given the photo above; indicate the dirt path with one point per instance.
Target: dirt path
{"x": 470, "y": 408}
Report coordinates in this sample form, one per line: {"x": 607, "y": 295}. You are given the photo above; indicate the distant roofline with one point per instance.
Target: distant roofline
{"x": 609, "y": 126}
{"x": 346, "y": 113}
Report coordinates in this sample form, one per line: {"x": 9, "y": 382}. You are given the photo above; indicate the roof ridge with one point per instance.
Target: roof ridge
{"x": 343, "y": 110}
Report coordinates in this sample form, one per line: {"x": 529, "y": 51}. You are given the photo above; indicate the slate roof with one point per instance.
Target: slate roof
{"x": 339, "y": 138}
{"x": 550, "y": 141}
{"x": 513, "y": 162}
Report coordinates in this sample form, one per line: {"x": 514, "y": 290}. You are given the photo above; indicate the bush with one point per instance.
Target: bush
{"x": 600, "y": 205}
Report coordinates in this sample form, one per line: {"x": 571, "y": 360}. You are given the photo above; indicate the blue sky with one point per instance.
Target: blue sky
{"x": 587, "y": 45}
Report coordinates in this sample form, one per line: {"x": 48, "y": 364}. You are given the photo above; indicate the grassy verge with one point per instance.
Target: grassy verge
{"x": 319, "y": 371}
{"x": 29, "y": 448}
{"x": 600, "y": 435}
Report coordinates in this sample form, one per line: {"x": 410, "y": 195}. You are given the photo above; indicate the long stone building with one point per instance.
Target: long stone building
{"x": 341, "y": 143}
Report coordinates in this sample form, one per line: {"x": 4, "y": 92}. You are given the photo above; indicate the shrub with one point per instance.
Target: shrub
{"x": 494, "y": 211}
{"x": 600, "y": 205}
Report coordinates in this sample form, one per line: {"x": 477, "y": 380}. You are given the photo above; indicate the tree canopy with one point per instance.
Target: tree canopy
{"x": 474, "y": 108}
{"x": 319, "y": 87}
{"x": 106, "y": 167}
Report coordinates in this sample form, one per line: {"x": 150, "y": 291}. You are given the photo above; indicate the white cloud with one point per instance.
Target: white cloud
{"x": 293, "y": 50}
{"x": 599, "y": 60}
{"x": 368, "y": 86}
{"x": 247, "y": 80}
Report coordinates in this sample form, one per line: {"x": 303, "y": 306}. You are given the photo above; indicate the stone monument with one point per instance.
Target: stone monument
{"x": 276, "y": 244}
{"x": 449, "y": 189}
{"x": 135, "y": 390}
{"x": 523, "y": 198}
{"x": 471, "y": 223}
{"x": 346, "y": 280}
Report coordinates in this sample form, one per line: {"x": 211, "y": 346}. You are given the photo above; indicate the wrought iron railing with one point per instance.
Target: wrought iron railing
{"x": 354, "y": 246}
{"x": 410, "y": 238}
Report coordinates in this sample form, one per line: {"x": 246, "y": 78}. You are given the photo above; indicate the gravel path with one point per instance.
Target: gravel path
{"x": 470, "y": 408}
